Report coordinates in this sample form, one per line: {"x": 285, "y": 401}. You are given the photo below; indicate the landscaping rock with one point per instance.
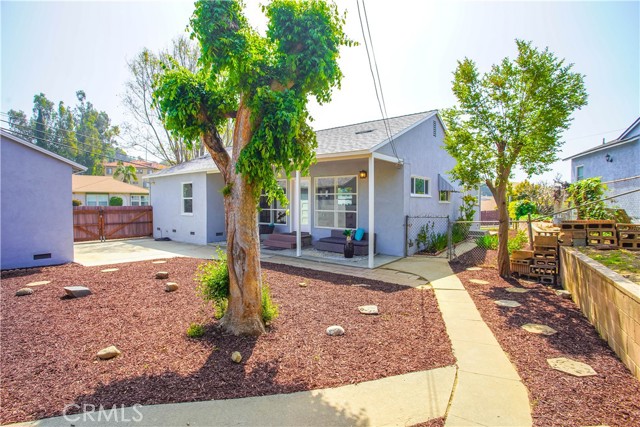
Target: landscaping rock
{"x": 42, "y": 282}
{"x": 109, "y": 353}
{"x": 474, "y": 269}
{"x": 479, "y": 282}
{"x": 517, "y": 290}
{"x": 162, "y": 275}
{"x": 368, "y": 309}
{"x": 535, "y": 328}
{"x": 564, "y": 294}
{"x": 302, "y": 284}
{"x": 507, "y": 303}
{"x": 109, "y": 270}
{"x": 335, "y": 330}
{"x": 170, "y": 287}
{"x": 24, "y": 291}
{"x": 236, "y": 357}
{"x": 159, "y": 262}
{"x": 571, "y": 367}
{"x": 77, "y": 291}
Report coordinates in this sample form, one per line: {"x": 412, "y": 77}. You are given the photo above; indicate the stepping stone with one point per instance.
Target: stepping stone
{"x": 335, "y": 330}
{"x": 170, "y": 287}
{"x": 236, "y": 357}
{"x": 564, "y": 294}
{"x": 77, "y": 291}
{"x": 479, "y": 282}
{"x": 109, "y": 353}
{"x": 302, "y": 284}
{"x": 571, "y": 367}
{"x": 368, "y": 309}
{"x": 109, "y": 270}
{"x": 517, "y": 290}
{"x": 42, "y": 282}
{"x": 23, "y": 292}
{"x": 162, "y": 275}
{"x": 507, "y": 303}
{"x": 158, "y": 262}
{"x": 535, "y": 328}
{"x": 474, "y": 269}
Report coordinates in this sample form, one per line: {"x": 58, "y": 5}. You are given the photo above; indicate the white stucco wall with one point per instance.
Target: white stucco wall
{"x": 36, "y": 211}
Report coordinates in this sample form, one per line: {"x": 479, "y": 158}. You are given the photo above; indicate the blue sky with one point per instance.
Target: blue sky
{"x": 60, "y": 47}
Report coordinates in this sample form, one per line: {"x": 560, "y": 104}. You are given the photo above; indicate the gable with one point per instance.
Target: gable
{"x": 633, "y": 130}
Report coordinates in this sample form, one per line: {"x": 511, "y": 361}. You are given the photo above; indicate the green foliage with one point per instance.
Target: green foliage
{"x": 490, "y": 241}
{"x": 468, "y": 207}
{"x": 348, "y": 233}
{"x": 587, "y": 195}
{"x": 542, "y": 195}
{"x": 127, "y": 172}
{"x": 115, "y": 201}
{"x": 226, "y": 190}
{"x": 270, "y": 310}
{"x": 487, "y": 241}
{"x": 213, "y": 282}
{"x": 195, "y": 330}
{"x": 431, "y": 241}
{"x": 76, "y": 202}
{"x": 518, "y": 242}
{"x": 521, "y": 208}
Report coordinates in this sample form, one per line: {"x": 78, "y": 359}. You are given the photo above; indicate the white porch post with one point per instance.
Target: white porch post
{"x": 372, "y": 177}
{"x": 297, "y": 216}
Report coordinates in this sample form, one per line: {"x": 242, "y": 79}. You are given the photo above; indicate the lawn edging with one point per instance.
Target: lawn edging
{"x": 610, "y": 302}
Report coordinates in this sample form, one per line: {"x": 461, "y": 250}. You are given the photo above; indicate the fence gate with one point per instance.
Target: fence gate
{"x": 111, "y": 222}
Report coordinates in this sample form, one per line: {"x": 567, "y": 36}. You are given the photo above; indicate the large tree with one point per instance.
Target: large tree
{"x": 262, "y": 82}
{"x": 512, "y": 116}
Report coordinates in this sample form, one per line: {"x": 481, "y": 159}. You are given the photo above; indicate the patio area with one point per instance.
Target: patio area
{"x": 312, "y": 254}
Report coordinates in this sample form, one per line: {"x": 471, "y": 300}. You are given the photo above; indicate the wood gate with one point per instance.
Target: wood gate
{"x": 111, "y": 222}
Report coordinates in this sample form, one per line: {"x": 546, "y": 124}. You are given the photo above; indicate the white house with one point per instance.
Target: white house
{"x": 36, "y": 212}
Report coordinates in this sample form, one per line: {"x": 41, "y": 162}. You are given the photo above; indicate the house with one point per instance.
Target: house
{"x": 35, "y": 198}
{"x": 143, "y": 168}
{"x": 98, "y": 190}
{"x": 362, "y": 179}
{"x": 617, "y": 163}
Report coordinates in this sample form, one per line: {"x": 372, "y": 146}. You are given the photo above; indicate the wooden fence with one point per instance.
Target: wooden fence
{"x": 111, "y": 222}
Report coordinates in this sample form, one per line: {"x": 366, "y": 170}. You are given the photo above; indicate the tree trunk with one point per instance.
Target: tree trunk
{"x": 500, "y": 196}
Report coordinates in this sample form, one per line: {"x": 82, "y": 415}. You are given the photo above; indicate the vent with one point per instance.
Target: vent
{"x": 41, "y": 256}
{"x": 193, "y": 233}
{"x": 364, "y": 131}
{"x": 219, "y": 233}
{"x": 434, "y": 128}
{"x": 174, "y": 230}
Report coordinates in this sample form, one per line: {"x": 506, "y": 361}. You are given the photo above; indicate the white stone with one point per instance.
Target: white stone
{"x": 77, "y": 291}
{"x": 517, "y": 290}
{"x": 302, "y": 284}
{"x": 507, "y": 303}
{"x": 536, "y": 328}
{"x": 335, "y": 330}
{"x": 109, "y": 353}
{"x": 42, "y": 282}
{"x": 571, "y": 367}
{"x": 424, "y": 287}
{"x": 24, "y": 291}
{"x": 474, "y": 269}
{"x": 162, "y": 275}
{"x": 159, "y": 262}
{"x": 109, "y": 270}
{"x": 170, "y": 287}
{"x": 478, "y": 282}
{"x": 368, "y": 309}
{"x": 236, "y": 357}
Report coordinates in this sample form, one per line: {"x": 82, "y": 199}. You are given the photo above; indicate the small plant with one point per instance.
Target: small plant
{"x": 115, "y": 201}
{"x": 270, "y": 310}
{"x": 195, "y": 330}
{"x": 518, "y": 242}
{"x": 487, "y": 241}
{"x": 76, "y": 202}
{"x": 348, "y": 233}
{"x": 430, "y": 240}
{"x": 226, "y": 190}
{"x": 213, "y": 279}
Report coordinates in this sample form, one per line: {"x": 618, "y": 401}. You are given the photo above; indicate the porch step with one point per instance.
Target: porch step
{"x": 286, "y": 240}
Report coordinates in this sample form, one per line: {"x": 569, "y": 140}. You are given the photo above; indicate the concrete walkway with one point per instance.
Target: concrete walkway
{"x": 488, "y": 390}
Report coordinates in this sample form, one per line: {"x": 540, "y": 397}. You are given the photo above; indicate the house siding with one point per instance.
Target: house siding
{"x": 36, "y": 212}
{"x": 215, "y": 209}
{"x": 625, "y": 164}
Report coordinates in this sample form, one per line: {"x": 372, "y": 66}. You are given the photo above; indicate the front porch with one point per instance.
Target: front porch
{"x": 312, "y": 254}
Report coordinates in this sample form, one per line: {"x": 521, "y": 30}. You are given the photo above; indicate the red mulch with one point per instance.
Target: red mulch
{"x": 49, "y": 343}
{"x": 610, "y": 398}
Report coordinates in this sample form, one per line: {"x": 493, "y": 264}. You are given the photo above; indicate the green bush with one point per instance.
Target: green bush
{"x": 270, "y": 310}
{"x": 213, "y": 282}
{"x": 429, "y": 240}
{"x": 76, "y": 202}
{"x": 518, "y": 242}
{"x": 115, "y": 201}
{"x": 195, "y": 330}
{"x": 488, "y": 241}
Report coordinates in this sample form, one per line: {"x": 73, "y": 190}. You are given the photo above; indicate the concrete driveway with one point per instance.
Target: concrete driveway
{"x": 120, "y": 251}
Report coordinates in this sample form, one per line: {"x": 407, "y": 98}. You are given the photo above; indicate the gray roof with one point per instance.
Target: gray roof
{"x": 622, "y": 139}
{"x": 346, "y": 140}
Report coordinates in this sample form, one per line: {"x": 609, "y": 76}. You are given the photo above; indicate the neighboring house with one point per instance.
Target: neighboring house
{"x": 97, "y": 190}
{"x": 617, "y": 162}
{"x": 406, "y": 177}
{"x": 143, "y": 169}
{"x": 35, "y": 199}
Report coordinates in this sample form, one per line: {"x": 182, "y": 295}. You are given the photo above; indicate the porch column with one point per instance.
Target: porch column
{"x": 296, "y": 214}
{"x": 372, "y": 177}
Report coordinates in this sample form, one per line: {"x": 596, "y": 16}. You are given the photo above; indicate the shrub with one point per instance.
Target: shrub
{"x": 270, "y": 310}
{"x": 195, "y": 330}
{"x": 76, "y": 202}
{"x": 213, "y": 279}
{"x": 115, "y": 201}
{"x": 518, "y": 242}
{"x": 430, "y": 240}
{"x": 488, "y": 241}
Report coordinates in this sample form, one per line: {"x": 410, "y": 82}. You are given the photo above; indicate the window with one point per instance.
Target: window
{"x": 97, "y": 200}
{"x": 579, "y": 173}
{"x": 420, "y": 186}
{"x": 139, "y": 171}
{"x": 445, "y": 196}
{"x": 139, "y": 200}
{"x": 187, "y": 198}
{"x": 274, "y": 212}
{"x": 109, "y": 171}
{"x": 336, "y": 202}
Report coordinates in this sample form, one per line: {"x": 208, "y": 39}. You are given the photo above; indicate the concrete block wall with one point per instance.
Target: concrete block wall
{"x": 610, "y": 302}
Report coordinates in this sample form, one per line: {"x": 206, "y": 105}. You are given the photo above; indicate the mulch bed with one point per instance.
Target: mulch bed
{"x": 49, "y": 343}
{"x": 612, "y": 397}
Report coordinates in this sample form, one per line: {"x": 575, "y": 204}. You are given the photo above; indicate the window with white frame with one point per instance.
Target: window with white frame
{"x": 444, "y": 196}
{"x": 109, "y": 171}
{"x": 274, "y": 212}
{"x": 336, "y": 202}
{"x": 97, "y": 200}
{"x": 579, "y": 173}
{"x": 139, "y": 200}
{"x": 420, "y": 186}
{"x": 187, "y": 198}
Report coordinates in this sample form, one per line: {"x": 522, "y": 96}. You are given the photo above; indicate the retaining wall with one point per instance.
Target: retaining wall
{"x": 610, "y": 302}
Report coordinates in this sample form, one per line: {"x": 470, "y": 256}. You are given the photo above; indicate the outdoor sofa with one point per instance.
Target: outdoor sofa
{"x": 335, "y": 243}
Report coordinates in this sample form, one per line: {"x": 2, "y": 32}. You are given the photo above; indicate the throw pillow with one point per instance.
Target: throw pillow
{"x": 359, "y": 234}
